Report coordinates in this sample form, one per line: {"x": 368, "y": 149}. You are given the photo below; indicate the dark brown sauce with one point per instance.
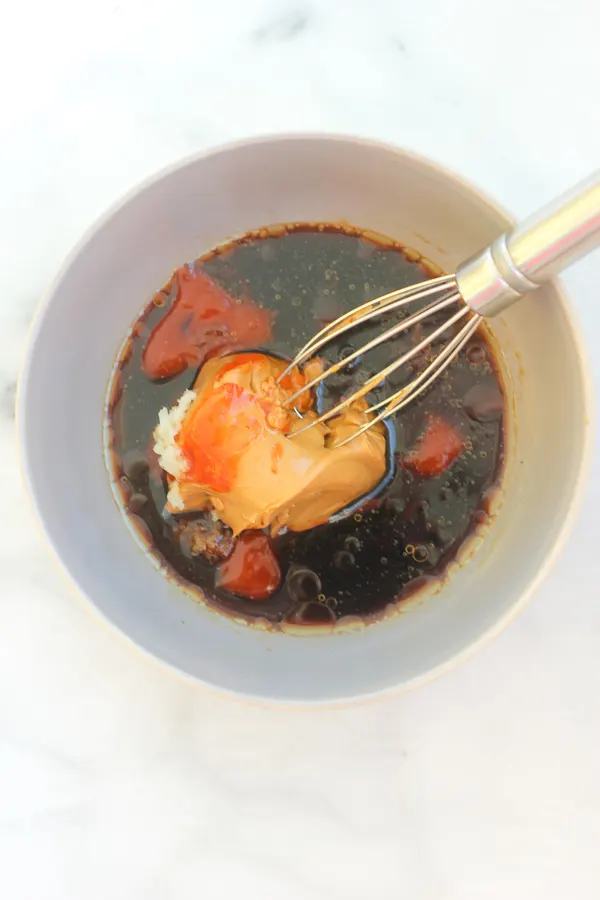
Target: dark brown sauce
{"x": 387, "y": 546}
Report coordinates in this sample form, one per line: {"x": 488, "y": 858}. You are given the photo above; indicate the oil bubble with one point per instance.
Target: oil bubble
{"x": 475, "y": 354}
{"x": 310, "y": 613}
{"x": 352, "y": 544}
{"x": 136, "y": 467}
{"x": 396, "y": 504}
{"x": 421, "y": 554}
{"x": 303, "y": 584}
{"x": 343, "y": 353}
{"x": 343, "y": 560}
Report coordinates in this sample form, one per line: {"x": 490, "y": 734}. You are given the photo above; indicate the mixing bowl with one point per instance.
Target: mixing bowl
{"x": 180, "y": 214}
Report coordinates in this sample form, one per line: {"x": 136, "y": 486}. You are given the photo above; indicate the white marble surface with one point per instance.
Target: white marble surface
{"x": 117, "y": 780}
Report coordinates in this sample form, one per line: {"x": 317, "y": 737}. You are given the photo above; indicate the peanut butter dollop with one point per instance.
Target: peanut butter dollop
{"x": 238, "y": 454}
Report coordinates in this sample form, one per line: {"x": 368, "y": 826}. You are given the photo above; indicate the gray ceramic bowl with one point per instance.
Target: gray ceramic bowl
{"x": 183, "y": 212}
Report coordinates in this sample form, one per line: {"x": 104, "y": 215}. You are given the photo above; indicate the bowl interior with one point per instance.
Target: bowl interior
{"x": 114, "y": 271}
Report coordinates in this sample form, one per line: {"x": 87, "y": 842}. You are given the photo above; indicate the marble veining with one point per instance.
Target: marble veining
{"x": 118, "y": 780}
{"x": 286, "y": 26}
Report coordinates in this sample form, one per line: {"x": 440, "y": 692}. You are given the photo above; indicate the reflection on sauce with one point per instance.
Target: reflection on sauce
{"x": 202, "y": 321}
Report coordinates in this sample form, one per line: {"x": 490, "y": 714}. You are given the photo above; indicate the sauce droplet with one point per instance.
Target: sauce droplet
{"x": 437, "y": 449}
{"x": 252, "y": 570}
{"x": 203, "y": 321}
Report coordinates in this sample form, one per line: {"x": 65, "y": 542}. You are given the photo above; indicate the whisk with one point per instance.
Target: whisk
{"x": 516, "y": 263}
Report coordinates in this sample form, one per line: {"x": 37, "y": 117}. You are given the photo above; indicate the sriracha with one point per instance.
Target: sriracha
{"x": 203, "y": 321}
{"x": 252, "y": 570}
{"x": 436, "y": 449}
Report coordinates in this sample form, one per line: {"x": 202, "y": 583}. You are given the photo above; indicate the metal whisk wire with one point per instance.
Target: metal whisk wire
{"x": 377, "y": 379}
{"x": 405, "y": 395}
{"x": 516, "y": 263}
{"x": 361, "y": 314}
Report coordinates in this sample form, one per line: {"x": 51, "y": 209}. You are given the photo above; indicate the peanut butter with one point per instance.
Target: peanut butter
{"x": 243, "y": 460}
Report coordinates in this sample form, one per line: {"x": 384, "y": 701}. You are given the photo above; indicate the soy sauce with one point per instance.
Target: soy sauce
{"x": 384, "y": 548}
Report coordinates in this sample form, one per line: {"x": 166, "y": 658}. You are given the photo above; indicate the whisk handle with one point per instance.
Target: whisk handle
{"x": 534, "y": 251}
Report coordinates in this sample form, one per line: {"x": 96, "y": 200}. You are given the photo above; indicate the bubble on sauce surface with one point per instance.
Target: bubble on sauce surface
{"x": 352, "y": 544}
{"x": 135, "y": 466}
{"x": 476, "y": 354}
{"x": 395, "y": 504}
{"x": 343, "y": 353}
{"x": 420, "y": 553}
{"x": 311, "y": 613}
{"x": 303, "y": 585}
{"x": 344, "y": 560}
{"x": 137, "y": 502}
{"x": 481, "y": 517}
